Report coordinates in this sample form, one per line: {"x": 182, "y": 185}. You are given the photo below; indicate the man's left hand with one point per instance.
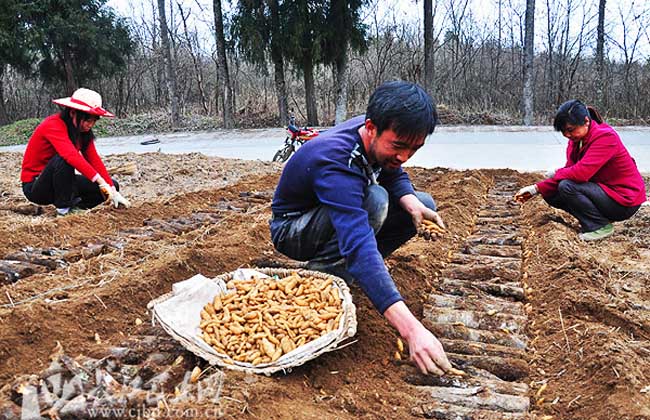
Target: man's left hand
{"x": 434, "y": 217}
{"x": 419, "y": 211}
{"x": 425, "y": 213}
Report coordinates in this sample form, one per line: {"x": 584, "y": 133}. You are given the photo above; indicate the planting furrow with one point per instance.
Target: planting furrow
{"x": 29, "y": 261}
{"x": 480, "y": 318}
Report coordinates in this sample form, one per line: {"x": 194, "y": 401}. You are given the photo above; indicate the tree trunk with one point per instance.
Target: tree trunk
{"x": 169, "y": 65}
{"x": 4, "y": 118}
{"x": 280, "y": 89}
{"x": 600, "y": 53}
{"x": 310, "y": 91}
{"x": 158, "y": 70}
{"x": 528, "y": 92}
{"x": 342, "y": 80}
{"x": 278, "y": 63}
{"x": 70, "y": 82}
{"x": 428, "y": 47}
{"x": 120, "y": 95}
{"x": 222, "y": 66}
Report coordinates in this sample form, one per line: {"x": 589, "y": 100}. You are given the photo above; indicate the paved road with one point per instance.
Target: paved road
{"x": 520, "y": 148}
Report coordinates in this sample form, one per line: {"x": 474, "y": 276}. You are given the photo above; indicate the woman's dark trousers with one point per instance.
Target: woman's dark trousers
{"x": 59, "y": 185}
{"x": 588, "y": 203}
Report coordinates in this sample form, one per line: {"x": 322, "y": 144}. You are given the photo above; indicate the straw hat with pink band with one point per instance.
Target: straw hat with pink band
{"x": 85, "y": 100}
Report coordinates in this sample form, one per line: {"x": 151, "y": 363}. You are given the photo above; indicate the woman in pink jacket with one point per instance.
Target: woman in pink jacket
{"x": 600, "y": 182}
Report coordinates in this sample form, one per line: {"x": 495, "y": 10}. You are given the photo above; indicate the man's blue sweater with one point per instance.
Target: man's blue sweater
{"x": 324, "y": 171}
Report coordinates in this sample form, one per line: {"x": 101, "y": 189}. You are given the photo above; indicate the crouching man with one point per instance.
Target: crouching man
{"x": 343, "y": 203}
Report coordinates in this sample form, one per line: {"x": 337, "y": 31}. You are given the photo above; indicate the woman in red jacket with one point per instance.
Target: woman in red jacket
{"x": 62, "y": 143}
{"x": 600, "y": 182}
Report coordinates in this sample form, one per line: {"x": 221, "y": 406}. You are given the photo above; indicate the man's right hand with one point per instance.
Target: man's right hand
{"x": 427, "y": 352}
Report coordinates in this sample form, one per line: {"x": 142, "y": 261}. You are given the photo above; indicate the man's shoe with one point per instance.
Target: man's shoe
{"x": 598, "y": 234}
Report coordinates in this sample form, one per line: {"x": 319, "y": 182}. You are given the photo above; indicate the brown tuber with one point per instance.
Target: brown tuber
{"x": 430, "y": 230}
{"x": 260, "y": 320}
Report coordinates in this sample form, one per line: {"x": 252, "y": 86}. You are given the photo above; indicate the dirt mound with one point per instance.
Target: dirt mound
{"x": 591, "y": 319}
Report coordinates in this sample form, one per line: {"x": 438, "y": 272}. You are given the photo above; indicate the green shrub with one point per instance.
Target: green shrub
{"x": 18, "y": 132}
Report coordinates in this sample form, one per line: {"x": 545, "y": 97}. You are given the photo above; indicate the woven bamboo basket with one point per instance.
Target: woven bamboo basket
{"x": 330, "y": 341}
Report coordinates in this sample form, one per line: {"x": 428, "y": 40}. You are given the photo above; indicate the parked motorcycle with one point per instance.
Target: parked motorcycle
{"x": 296, "y": 137}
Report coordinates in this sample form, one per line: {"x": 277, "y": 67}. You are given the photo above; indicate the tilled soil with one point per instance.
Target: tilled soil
{"x": 570, "y": 319}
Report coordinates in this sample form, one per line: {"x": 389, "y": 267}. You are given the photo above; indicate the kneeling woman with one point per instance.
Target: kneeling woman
{"x": 62, "y": 143}
{"x": 600, "y": 182}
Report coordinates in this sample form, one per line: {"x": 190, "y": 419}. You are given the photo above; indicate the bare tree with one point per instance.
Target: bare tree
{"x": 551, "y": 35}
{"x": 306, "y": 59}
{"x": 169, "y": 65}
{"x": 198, "y": 71}
{"x": 458, "y": 45}
{"x": 600, "y": 54}
{"x": 157, "y": 72}
{"x": 428, "y": 47}
{"x": 565, "y": 44}
{"x": 496, "y": 66}
{"x": 600, "y": 40}
{"x": 529, "y": 54}
{"x": 569, "y": 50}
{"x": 476, "y": 68}
{"x": 225, "y": 89}
{"x": 634, "y": 22}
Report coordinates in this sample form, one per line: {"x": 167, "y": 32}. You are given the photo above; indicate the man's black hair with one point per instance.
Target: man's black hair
{"x": 403, "y": 107}
{"x": 73, "y": 132}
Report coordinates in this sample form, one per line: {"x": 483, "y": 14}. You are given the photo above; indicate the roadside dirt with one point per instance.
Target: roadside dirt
{"x": 589, "y": 326}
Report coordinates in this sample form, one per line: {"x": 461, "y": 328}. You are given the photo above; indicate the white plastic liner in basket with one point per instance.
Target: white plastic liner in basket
{"x": 179, "y": 313}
